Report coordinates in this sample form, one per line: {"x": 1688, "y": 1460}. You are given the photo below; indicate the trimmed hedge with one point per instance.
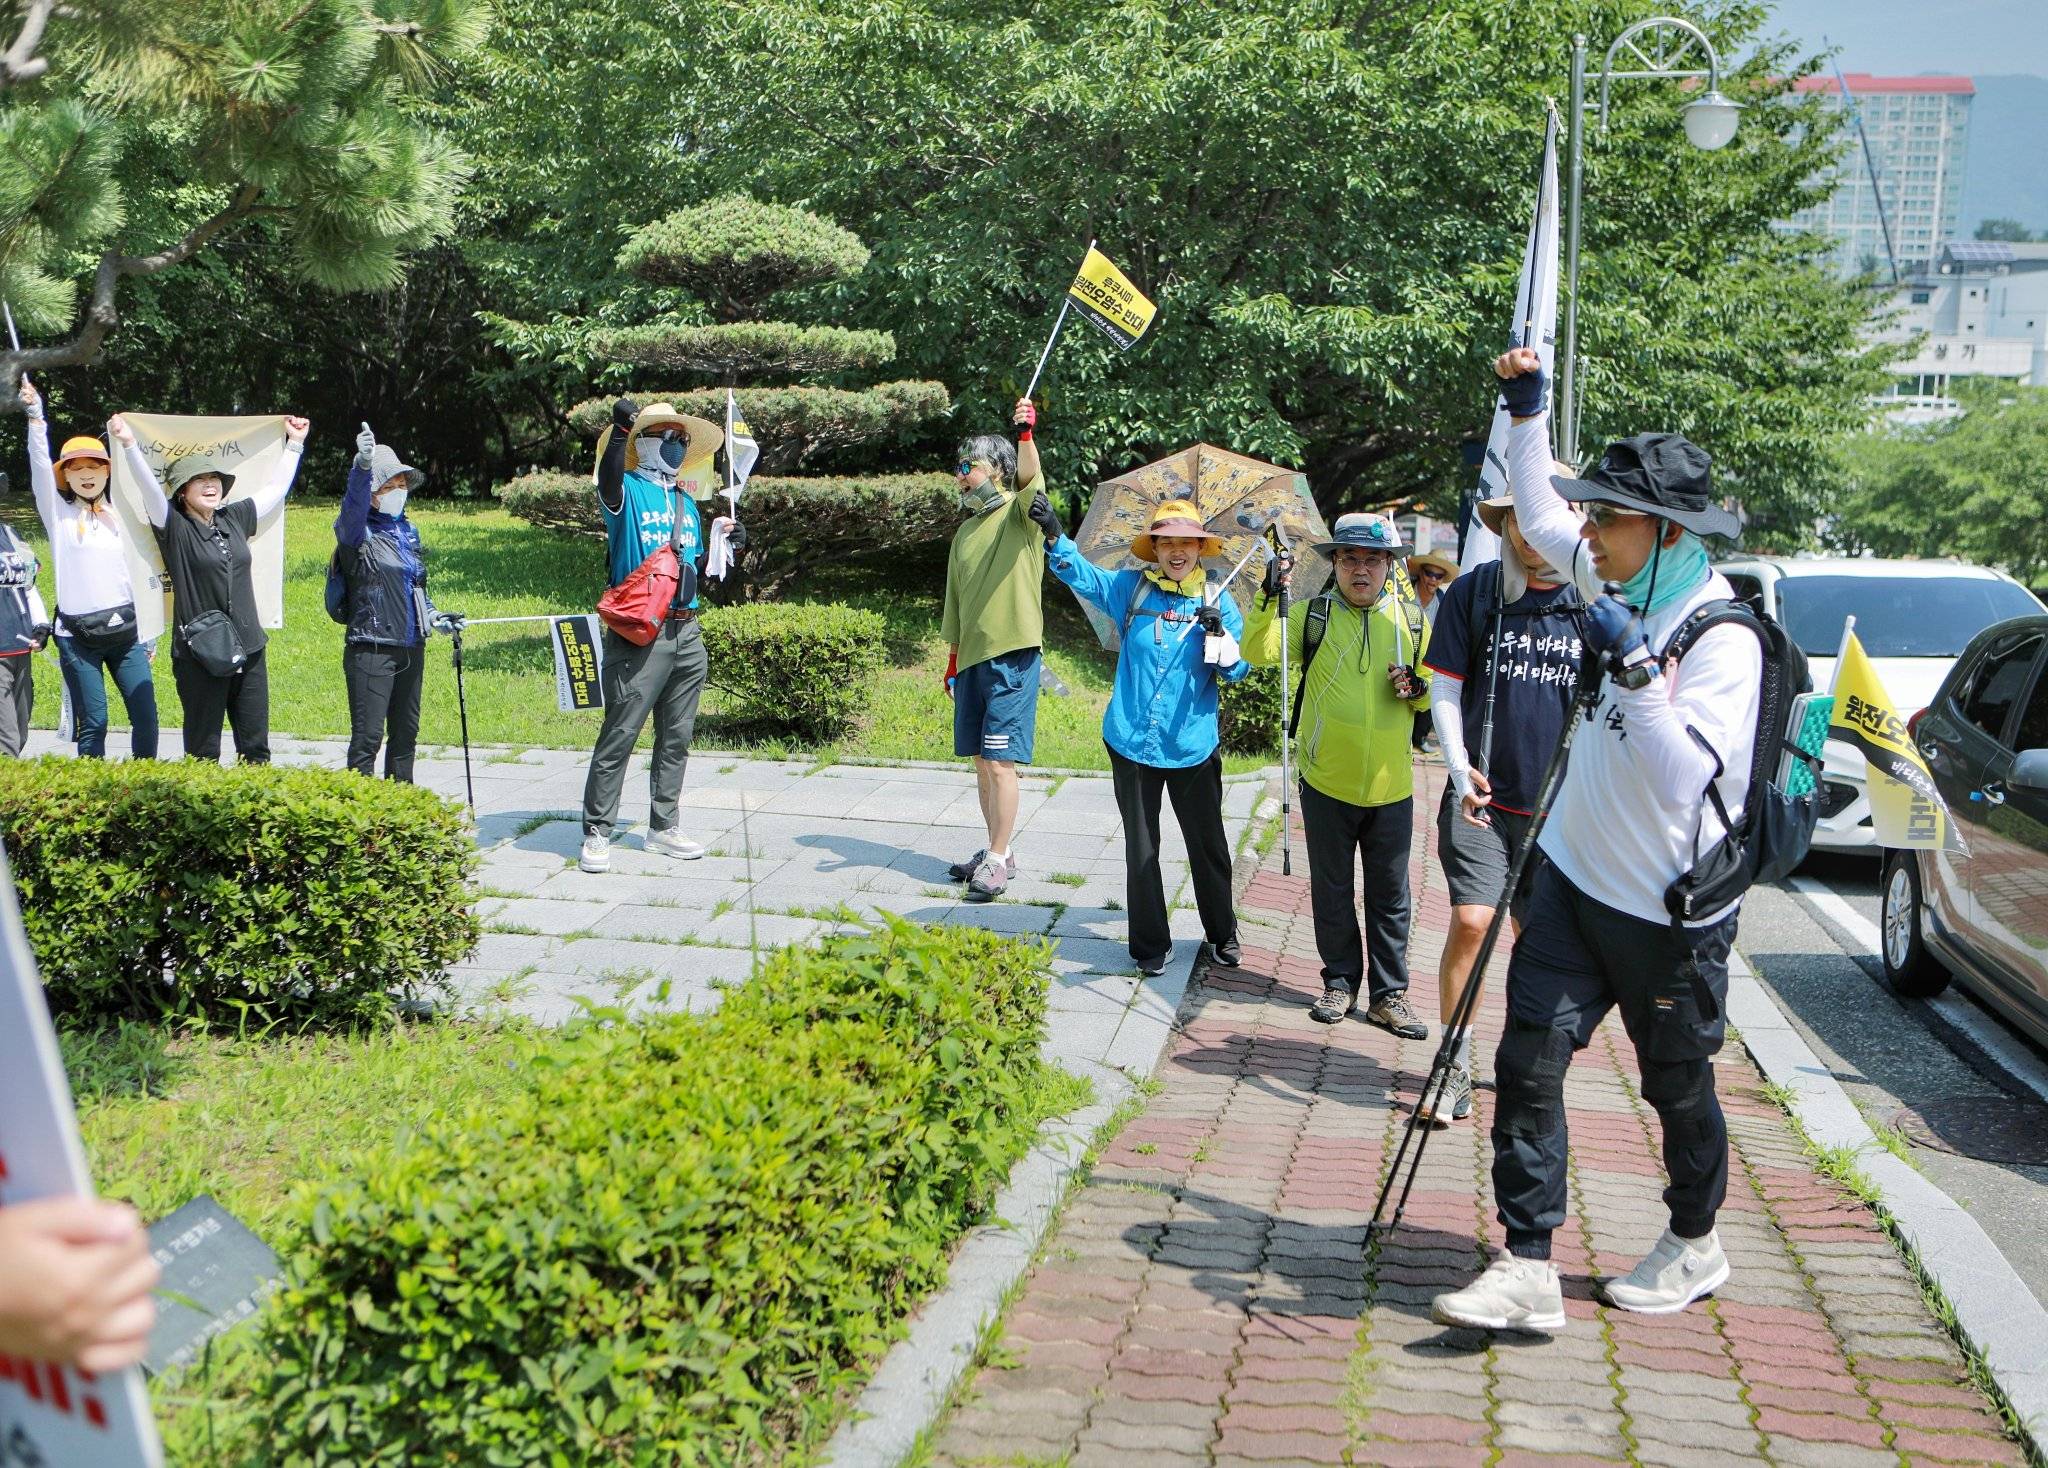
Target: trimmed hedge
{"x": 749, "y": 348}
{"x": 802, "y": 669}
{"x": 795, "y": 425}
{"x": 735, "y": 252}
{"x": 684, "y": 1242}
{"x": 1248, "y": 713}
{"x": 788, "y": 520}
{"x": 282, "y": 895}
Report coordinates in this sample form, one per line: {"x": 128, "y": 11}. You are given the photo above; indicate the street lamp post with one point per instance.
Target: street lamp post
{"x": 1658, "y": 48}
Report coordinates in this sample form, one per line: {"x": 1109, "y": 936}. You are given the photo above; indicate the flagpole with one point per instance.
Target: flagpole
{"x": 1848, "y": 633}
{"x": 1066, "y": 304}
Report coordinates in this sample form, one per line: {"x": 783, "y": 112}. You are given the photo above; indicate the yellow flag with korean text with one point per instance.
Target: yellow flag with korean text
{"x": 1109, "y": 300}
{"x": 1906, "y": 810}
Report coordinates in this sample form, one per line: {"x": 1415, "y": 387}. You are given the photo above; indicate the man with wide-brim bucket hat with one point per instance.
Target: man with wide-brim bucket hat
{"x": 644, "y": 460}
{"x": 95, "y": 594}
{"x": 378, "y": 591}
{"x": 1359, "y": 647}
{"x": 1505, "y": 647}
{"x": 1665, "y": 751}
{"x": 218, "y": 645}
{"x": 1178, "y": 645}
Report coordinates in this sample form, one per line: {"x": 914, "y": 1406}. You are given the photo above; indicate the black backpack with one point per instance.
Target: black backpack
{"x": 1775, "y": 830}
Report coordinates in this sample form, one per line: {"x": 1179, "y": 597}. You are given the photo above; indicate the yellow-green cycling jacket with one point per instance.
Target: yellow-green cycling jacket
{"x": 1354, "y": 743}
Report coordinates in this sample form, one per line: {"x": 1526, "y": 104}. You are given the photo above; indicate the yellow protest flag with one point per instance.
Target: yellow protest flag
{"x": 1109, "y": 300}
{"x": 1906, "y": 810}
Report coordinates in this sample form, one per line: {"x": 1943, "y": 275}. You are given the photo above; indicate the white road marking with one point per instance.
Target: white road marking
{"x": 2012, "y": 1054}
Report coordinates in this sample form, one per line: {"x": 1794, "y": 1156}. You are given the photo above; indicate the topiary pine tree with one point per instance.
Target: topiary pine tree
{"x": 738, "y": 256}
{"x": 133, "y": 133}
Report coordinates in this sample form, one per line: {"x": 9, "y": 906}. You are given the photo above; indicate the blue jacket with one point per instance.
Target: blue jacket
{"x": 1163, "y": 709}
{"x": 381, "y": 562}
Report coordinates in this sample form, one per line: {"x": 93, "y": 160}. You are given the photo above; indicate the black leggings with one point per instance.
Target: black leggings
{"x": 383, "y": 693}
{"x": 242, "y": 698}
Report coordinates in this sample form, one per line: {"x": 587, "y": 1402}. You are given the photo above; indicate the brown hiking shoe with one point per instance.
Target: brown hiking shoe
{"x": 1392, "y": 1013}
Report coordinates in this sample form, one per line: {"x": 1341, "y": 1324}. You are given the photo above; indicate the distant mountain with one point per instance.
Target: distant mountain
{"x": 2007, "y": 173}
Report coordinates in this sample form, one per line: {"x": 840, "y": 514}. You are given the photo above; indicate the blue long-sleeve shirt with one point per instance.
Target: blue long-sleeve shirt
{"x": 357, "y": 522}
{"x": 1162, "y": 711}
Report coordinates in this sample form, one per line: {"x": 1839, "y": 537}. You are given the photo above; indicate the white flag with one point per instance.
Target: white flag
{"x": 1535, "y": 325}
{"x": 740, "y": 450}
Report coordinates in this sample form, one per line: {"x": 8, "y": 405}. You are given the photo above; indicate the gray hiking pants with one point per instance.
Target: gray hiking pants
{"x": 665, "y": 678}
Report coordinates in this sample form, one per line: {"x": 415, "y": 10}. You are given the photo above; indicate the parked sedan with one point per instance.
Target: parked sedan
{"x": 1981, "y": 915}
{"x": 1912, "y": 617}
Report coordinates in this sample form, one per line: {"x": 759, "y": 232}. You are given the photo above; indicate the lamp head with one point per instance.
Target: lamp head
{"x": 1711, "y": 120}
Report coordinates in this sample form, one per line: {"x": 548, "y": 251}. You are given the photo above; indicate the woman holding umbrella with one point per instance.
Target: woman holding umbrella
{"x": 1177, "y": 645}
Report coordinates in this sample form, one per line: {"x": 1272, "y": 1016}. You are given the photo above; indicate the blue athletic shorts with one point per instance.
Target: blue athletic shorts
{"x": 995, "y": 707}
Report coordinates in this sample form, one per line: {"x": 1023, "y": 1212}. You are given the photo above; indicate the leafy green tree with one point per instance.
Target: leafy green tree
{"x": 2010, "y": 230}
{"x": 1975, "y": 485}
{"x": 134, "y": 134}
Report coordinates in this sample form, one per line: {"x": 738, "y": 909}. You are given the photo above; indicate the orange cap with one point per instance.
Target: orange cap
{"x": 83, "y": 447}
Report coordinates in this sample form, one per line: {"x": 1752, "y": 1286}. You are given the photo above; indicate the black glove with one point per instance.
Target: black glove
{"x": 1211, "y": 619}
{"x": 1043, "y": 517}
{"x": 1277, "y": 567}
{"x": 736, "y": 538}
{"x": 625, "y": 412}
{"x": 1524, "y": 394}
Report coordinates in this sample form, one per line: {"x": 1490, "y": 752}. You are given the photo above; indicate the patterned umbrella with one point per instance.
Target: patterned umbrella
{"x": 1237, "y": 498}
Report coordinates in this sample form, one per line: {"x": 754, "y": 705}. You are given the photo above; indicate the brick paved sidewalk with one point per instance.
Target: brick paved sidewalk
{"x": 1209, "y": 1296}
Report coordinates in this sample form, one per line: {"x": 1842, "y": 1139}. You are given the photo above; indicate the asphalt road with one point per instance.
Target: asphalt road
{"x": 1823, "y": 968}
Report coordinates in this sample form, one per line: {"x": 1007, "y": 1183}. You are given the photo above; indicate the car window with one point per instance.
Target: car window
{"x": 1998, "y": 683}
{"x": 1902, "y": 617}
{"x": 1747, "y": 588}
{"x": 2033, "y": 730}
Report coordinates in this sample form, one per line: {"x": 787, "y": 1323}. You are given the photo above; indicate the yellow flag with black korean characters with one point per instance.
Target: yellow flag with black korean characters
{"x": 1906, "y": 810}
{"x": 1108, "y": 298}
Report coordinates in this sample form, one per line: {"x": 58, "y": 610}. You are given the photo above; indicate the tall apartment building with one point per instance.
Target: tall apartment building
{"x": 1919, "y": 132}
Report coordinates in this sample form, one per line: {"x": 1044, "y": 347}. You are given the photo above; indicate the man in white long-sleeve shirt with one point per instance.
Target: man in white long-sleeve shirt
{"x": 1626, "y": 824}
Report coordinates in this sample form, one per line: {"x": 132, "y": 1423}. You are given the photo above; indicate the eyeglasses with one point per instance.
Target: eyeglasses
{"x": 1603, "y": 516}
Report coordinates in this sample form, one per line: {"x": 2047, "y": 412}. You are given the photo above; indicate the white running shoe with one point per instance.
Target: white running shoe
{"x": 597, "y": 854}
{"x": 674, "y": 843}
{"x": 1513, "y": 1294}
{"x": 1672, "y": 1275}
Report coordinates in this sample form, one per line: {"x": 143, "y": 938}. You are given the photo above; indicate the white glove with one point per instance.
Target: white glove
{"x": 1222, "y": 650}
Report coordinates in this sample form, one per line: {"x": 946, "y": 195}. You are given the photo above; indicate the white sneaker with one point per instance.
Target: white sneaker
{"x": 675, "y": 844}
{"x": 1672, "y": 1275}
{"x": 597, "y": 854}
{"x": 1513, "y": 1294}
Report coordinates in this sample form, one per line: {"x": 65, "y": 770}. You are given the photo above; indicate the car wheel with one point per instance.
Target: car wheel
{"x": 1912, "y": 970}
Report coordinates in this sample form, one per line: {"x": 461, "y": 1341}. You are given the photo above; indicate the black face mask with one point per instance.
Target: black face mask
{"x": 672, "y": 452}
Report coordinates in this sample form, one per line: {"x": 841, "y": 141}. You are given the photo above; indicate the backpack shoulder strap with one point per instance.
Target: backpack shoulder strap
{"x": 1314, "y": 623}
{"x": 1131, "y": 607}
{"x": 1707, "y": 616}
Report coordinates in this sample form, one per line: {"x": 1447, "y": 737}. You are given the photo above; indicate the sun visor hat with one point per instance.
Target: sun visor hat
{"x": 1661, "y": 474}
{"x": 1361, "y": 530}
{"x": 79, "y": 448}
{"x": 1175, "y": 517}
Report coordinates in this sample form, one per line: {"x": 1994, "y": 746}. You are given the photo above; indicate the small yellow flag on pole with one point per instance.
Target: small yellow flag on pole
{"x": 1906, "y": 810}
{"x": 1111, "y": 301}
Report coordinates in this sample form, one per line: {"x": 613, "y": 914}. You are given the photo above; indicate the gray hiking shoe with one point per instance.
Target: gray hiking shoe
{"x": 989, "y": 879}
{"x": 1672, "y": 1275}
{"x": 1335, "y": 1004}
{"x": 1392, "y": 1013}
{"x": 1455, "y": 1103}
{"x": 963, "y": 871}
{"x": 1513, "y": 1294}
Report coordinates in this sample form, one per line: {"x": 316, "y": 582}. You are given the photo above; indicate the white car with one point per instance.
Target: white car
{"x": 1914, "y": 618}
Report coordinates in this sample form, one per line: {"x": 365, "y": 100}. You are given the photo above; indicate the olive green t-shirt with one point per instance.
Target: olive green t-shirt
{"x": 995, "y": 580}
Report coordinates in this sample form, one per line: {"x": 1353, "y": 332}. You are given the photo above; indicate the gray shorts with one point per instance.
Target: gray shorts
{"x": 1476, "y": 858}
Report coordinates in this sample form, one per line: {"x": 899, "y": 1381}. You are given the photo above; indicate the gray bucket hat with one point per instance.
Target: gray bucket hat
{"x": 385, "y": 465}
{"x": 189, "y": 468}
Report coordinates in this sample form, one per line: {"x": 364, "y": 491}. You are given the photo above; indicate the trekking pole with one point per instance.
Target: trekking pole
{"x": 1286, "y": 776}
{"x": 462, "y": 703}
{"x": 1438, "y": 1084}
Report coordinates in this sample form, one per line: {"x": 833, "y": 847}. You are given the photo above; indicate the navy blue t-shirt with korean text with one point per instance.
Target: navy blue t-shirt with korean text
{"x": 1539, "y": 662}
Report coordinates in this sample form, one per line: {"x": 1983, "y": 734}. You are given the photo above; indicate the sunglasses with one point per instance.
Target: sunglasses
{"x": 1603, "y": 516}
{"x": 966, "y": 468}
{"x": 1432, "y": 574}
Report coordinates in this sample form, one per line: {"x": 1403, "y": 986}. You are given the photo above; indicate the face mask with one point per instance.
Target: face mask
{"x": 979, "y": 501}
{"x": 393, "y": 504}
{"x": 659, "y": 458}
{"x": 1672, "y": 572}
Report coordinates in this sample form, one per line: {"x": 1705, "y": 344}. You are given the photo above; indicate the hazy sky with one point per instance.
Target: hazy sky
{"x": 1906, "y": 37}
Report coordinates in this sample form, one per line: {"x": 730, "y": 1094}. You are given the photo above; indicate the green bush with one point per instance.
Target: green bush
{"x": 686, "y": 1239}
{"x": 749, "y": 348}
{"x": 302, "y": 896}
{"x": 1248, "y": 713}
{"x": 796, "y": 425}
{"x": 789, "y": 521}
{"x": 802, "y": 669}
{"x": 735, "y": 252}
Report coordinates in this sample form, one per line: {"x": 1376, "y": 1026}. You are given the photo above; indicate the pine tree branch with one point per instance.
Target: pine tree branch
{"x": 101, "y": 315}
{"x": 19, "y": 63}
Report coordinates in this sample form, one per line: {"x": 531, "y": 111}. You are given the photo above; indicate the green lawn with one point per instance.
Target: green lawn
{"x": 485, "y": 563}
